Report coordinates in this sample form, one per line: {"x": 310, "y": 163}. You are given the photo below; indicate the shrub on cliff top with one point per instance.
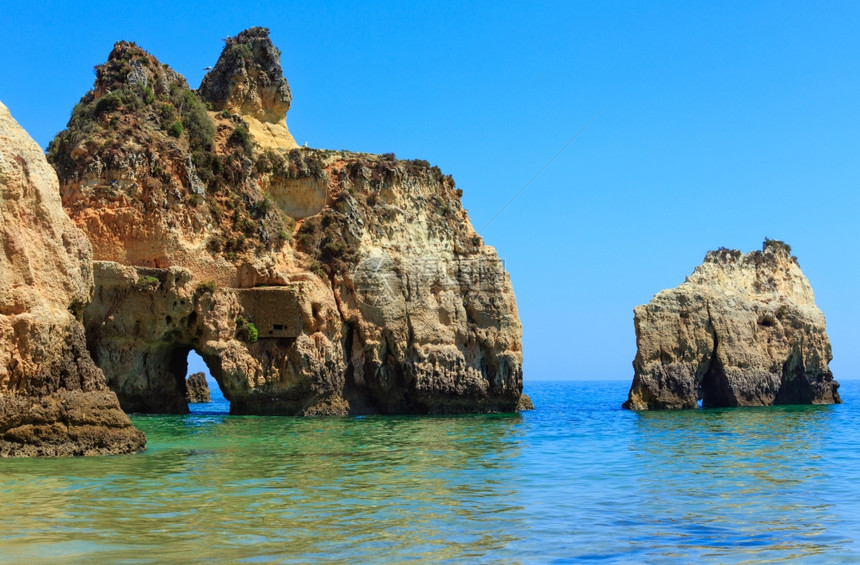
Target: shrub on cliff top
{"x": 107, "y": 103}
{"x": 205, "y": 287}
{"x": 147, "y": 284}
{"x": 776, "y": 245}
{"x": 175, "y": 129}
{"x": 242, "y": 51}
{"x": 167, "y": 113}
{"x": 196, "y": 121}
{"x": 723, "y": 255}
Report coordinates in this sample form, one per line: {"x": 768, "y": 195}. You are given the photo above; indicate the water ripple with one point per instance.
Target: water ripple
{"x": 577, "y": 480}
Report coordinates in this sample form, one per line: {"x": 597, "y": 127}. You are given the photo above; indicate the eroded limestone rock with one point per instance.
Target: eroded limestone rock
{"x": 155, "y": 180}
{"x": 742, "y": 330}
{"x": 389, "y": 300}
{"x": 248, "y": 80}
{"x": 53, "y": 398}
{"x": 197, "y": 389}
{"x": 431, "y": 313}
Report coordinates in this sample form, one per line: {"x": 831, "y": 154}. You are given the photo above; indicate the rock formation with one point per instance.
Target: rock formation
{"x": 53, "y": 399}
{"x": 248, "y": 80}
{"x": 197, "y": 389}
{"x": 310, "y": 281}
{"x": 742, "y": 330}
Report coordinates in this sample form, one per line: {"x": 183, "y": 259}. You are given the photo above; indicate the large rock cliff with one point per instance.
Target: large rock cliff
{"x": 53, "y": 398}
{"x": 742, "y": 330}
{"x": 311, "y": 281}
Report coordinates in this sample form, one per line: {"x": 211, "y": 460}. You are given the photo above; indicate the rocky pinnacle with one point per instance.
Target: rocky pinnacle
{"x": 248, "y": 79}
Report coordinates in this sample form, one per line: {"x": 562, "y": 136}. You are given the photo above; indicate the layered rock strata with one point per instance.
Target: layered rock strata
{"x": 310, "y": 281}
{"x": 197, "y": 389}
{"x": 53, "y": 398}
{"x": 742, "y": 330}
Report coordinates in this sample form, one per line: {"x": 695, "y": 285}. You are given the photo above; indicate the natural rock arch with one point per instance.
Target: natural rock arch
{"x": 141, "y": 325}
{"x": 143, "y": 322}
{"x": 158, "y": 384}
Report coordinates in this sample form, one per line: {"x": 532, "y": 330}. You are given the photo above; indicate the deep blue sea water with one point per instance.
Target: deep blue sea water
{"x": 576, "y": 480}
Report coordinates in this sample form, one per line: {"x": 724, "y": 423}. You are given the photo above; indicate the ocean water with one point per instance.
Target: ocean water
{"x": 576, "y": 480}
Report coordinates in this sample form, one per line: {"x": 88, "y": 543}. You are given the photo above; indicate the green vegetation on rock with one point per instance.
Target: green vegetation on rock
{"x": 246, "y": 331}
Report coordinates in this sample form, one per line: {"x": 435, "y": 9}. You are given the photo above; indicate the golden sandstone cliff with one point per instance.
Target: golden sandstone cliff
{"x": 742, "y": 330}
{"x": 310, "y": 281}
{"x": 53, "y": 398}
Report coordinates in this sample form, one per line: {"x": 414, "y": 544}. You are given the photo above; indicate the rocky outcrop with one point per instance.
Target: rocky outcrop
{"x": 197, "y": 389}
{"x": 742, "y": 330}
{"x": 429, "y": 310}
{"x": 156, "y": 180}
{"x": 248, "y": 80}
{"x": 310, "y": 281}
{"x": 53, "y": 398}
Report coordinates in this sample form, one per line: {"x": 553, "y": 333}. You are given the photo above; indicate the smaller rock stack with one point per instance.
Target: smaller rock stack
{"x": 742, "y": 330}
{"x": 197, "y": 389}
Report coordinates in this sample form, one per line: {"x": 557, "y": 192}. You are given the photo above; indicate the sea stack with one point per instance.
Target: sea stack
{"x": 742, "y": 330}
{"x": 197, "y": 389}
{"x": 311, "y": 281}
{"x": 53, "y": 398}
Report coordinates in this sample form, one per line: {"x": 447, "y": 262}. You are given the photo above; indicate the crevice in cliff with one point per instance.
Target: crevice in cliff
{"x": 357, "y": 395}
{"x": 336, "y": 298}
{"x": 714, "y": 389}
{"x": 351, "y": 392}
{"x": 406, "y": 303}
{"x": 360, "y": 402}
{"x": 794, "y": 388}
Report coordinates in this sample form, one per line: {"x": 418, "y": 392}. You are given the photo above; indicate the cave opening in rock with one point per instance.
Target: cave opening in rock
{"x": 217, "y": 402}
{"x": 715, "y": 391}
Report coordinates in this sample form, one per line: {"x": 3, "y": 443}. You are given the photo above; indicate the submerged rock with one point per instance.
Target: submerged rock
{"x": 53, "y": 398}
{"x": 197, "y": 389}
{"x": 742, "y": 330}
{"x": 310, "y": 281}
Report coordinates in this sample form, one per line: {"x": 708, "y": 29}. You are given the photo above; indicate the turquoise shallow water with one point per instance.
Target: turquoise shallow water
{"x": 576, "y": 480}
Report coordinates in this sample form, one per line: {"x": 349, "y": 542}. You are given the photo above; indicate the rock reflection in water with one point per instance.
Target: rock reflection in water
{"x": 276, "y": 488}
{"x": 577, "y": 479}
{"x": 730, "y": 483}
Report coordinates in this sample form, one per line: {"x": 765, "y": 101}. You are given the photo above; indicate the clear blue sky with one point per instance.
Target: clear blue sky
{"x": 721, "y": 123}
